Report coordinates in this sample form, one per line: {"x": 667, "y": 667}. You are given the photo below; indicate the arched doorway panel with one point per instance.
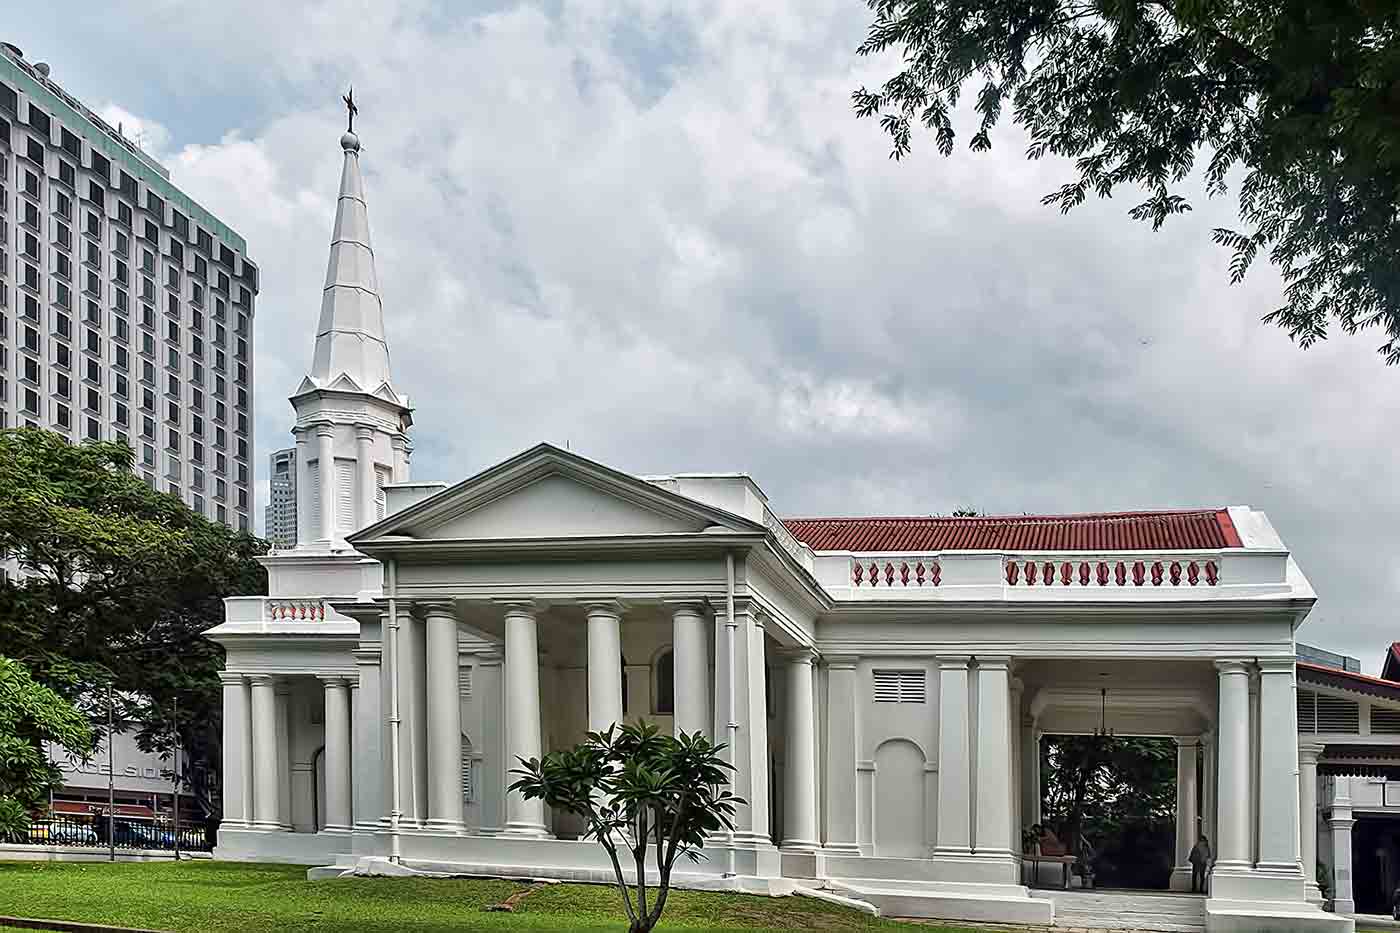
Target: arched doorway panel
{"x": 899, "y": 802}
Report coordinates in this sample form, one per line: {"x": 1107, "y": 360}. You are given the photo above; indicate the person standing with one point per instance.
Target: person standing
{"x": 1200, "y": 860}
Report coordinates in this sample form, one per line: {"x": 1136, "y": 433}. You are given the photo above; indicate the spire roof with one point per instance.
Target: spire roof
{"x": 350, "y": 341}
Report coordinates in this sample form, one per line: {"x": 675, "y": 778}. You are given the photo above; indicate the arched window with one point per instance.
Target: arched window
{"x": 663, "y": 679}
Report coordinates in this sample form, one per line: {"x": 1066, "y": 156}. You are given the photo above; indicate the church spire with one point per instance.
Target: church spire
{"x": 350, "y": 335}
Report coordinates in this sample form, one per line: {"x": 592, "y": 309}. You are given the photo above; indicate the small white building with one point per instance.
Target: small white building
{"x": 881, "y": 682}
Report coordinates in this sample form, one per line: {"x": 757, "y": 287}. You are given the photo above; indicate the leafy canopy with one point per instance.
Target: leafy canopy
{"x": 118, "y": 582}
{"x": 1302, "y": 95}
{"x": 635, "y": 788}
{"x": 30, "y": 715}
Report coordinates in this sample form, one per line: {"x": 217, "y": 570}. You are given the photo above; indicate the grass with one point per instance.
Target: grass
{"x": 235, "y": 897}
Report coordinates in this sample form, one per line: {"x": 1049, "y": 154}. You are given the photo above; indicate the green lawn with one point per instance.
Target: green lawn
{"x": 229, "y": 897}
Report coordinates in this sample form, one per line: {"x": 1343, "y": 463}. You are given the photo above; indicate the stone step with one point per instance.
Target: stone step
{"x": 1127, "y": 911}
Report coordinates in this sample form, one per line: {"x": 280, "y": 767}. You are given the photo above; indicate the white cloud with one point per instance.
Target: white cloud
{"x": 658, "y": 233}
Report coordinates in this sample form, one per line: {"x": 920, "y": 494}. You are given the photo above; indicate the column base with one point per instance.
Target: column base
{"x": 841, "y": 849}
{"x": 336, "y": 829}
{"x": 1312, "y": 892}
{"x": 267, "y": 827}
{"x": 527, "y": 831}
{"x": 1180, "y": 879}
{"x": 800, "y": 845}
{"x": 449, "y": 827}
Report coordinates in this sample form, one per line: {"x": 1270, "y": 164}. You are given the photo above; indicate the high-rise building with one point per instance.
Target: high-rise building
{"x": 280, "y": 516}
{"x": 126, "y": 309}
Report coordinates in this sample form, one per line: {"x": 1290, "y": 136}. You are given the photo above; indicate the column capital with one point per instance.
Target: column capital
{"x": 801, "y": 656}
{"x": 686, "y": 606}
{"x": 953, "y": 662}
{"x": 840, "y": 662}
{"x": 436, "y": 607}
{"x": 1187, "y": 741}
{"x": 603, "y": 608}
{"x": 1276, "y": 665}
{"x": 264, "y": 680}
{"x": 1309, "y": 752}
{"x": 334, "y": 680}
{"x": 990, "y": 663}
{"x": 528, "y": 608}
{"x": 364, "y": 432}
{"x": 371, "y": 655}
{"x": 1232, "y": 665}
{"x": 232, "y": 677}
{"x": 325, "y": 429}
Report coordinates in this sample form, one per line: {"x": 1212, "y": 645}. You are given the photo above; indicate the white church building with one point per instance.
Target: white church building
{"x": 882, "y": 683}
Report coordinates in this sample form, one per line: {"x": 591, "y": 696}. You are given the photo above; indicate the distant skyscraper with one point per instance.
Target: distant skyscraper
{"x": 127, "y": 309}
{"x": 280, "y": 516}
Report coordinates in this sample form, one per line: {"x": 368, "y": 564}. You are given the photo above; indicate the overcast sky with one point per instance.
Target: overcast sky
{"x": 657, "y": 233}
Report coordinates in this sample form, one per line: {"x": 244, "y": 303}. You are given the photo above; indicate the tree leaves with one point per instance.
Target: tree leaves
{"x": 30, "y": 715}
{"x": 1303, "y": 97}
{"x": 635, "y": 787}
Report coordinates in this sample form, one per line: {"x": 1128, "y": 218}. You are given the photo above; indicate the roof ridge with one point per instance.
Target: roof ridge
{"x": 1028, "y": 517}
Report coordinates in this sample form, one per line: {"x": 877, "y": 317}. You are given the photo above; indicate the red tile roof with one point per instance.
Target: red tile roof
{"x": 1348, "y": 680}
{"x": 1206, "y": 529}
{"x": 1390, "y": 669}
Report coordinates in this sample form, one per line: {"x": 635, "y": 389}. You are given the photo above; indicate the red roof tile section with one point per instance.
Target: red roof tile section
{"x": 1207, "y": 529}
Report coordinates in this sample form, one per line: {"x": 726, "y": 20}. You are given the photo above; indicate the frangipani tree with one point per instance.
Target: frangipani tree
{"x": 638, "y": 790}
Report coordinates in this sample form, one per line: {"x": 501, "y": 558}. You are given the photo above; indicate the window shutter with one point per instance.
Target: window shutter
{"x": 466, "y": 769}
{"x": 464, "y": 682}
{"x": 345, "y": 496}
{"x": 907, "y": 686}
{"x": 1337, "y": 714}
{"x": 1385, "y": 721}
{"x": 381, "y": 479}
{"x": 1307, "y": 711}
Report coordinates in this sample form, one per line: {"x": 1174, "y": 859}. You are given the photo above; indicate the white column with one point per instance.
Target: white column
{"x": 604, "y": 665}
{"x": 325, "y": 465}
{"x": 751, "y": 713}
{"x": 1308, "y": 753}
{"x": 444, "y": 726}
{"x": 841, "y": 739}
{"x": 488, "y": 686}
{"x": 1018, "y": 763}
{"x": 364, "y": 478}
{"x": 336, "y": 761}
{"x": 238, "y": 753}
{"x": 411, "y": 658}
{"x": 1186, "y": 825}
{"x": 800, "y": 773}
{"x": 1340, "y": 819}
{"x": 1233, "y": 797}
{"x": 690, "y": 667}
{"x": 401, "y": 462}
{"x": 522, "y": 656}
{"x": 367, "y": 750}
{"x": 305, "y": 533}
{"x": 1278, "y": 768}
{"x": 1208, "y": 788}
{"x": 954, "y": 759}
{"x": 992, "y": 833}
{"x": 267, "y": 793}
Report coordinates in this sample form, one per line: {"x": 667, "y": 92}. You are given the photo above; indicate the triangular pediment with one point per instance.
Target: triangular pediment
{"x": 548, "y": 493}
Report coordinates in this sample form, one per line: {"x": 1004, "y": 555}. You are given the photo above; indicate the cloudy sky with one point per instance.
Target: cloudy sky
{"x": 656, "y": 232}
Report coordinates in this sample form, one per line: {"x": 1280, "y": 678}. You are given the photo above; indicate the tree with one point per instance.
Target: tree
{"x": 1303, "y": 96}
{"x": 30, "y": 715}
{"x": 118, "y": 582}
{"x": 636, "y": 788}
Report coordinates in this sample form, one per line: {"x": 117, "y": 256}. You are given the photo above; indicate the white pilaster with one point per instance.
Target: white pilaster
{"x": 444, "y": 714}
{"x": 488, "y": 686}
{"x": 1278, "y": 770}
{"x": 751, "y": 712}
{"x": 1339, "y": 818}
{"x": 1186, "y": 822}
{"x": 1308, "y": 753}
{"x": 364, "y": 478}
{"x": 1018, "y": 763}
{"x": 800, "y": 772}
{"x": 411, "y": 658}
{"x": 305, "y": 533}
{"x": 522, "y": 688}
{"x": 238, "y": 752}
{"x": 1232, "y": 844}
{"x": 992, "y": 832}
{"x": 283, "y": 695}
{"x": 604, "y": 665}
{"x": 690, "y": 669}
{"x": 336, "y": 761}
{"x": 1030, "y": 773}
{"x": 401, "y": 461}
{"x": 841, "y": 739}
{"x": 266, "y": 790}
{"x": 325, "y": 466}
{"x": 954, "y": 759}
{"x": 367, "y": 750}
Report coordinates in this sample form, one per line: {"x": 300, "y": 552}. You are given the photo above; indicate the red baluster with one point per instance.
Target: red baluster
{"x": 904, "y": 573}
{"x": 1120, "y": 573}
{"x": 1156, "y": 573}
{"x": 857, "y": 572}
{"x": 1139, "y": 573}
{"x": 919, "y": 572}
{"x": 874, "y": 574}
{"x": 1084, "y": 573}
{"x": 1066, "y": 573}
{"x": 1193, "y": 573}
{"x": 1013, "y": 572}
{"x": 889, "y": 574}
{"x": 1102, "y": 570}
{"x": 937, "y": 575}
{"x": 1030, "y": 572}
{"x": 1176, "y": 572}
{"x": 1047, "y": 574}
{"x": 1212, "y": 572}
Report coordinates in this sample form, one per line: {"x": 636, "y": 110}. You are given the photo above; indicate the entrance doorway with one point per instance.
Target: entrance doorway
{"x": 1375, "y": 861}
{"x": 1111, "y": 801}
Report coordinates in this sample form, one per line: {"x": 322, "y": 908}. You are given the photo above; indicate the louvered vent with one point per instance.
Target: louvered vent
{"x": 345, "y": 496}
{"x": 464, "y": 682}
{"x": 900, "y": 686}
{"x": 1336, "y": 714}
{"x": 381, "y": 479}
{"x": 1307, "y": 711}
{"x": 313, "y": 501}
{"x": 466, "y": 769}
{"x": 1385, "y": 721}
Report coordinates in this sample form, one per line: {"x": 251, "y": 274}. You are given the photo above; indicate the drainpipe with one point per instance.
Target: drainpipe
{"x": 392, "y": 648}
{"x": 731, "y": 627}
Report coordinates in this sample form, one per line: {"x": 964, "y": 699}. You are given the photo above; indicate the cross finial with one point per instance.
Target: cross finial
{"x": 350, "y": 109}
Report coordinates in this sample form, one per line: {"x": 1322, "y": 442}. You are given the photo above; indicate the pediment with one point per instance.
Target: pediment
{"x": 547, "y": 493}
